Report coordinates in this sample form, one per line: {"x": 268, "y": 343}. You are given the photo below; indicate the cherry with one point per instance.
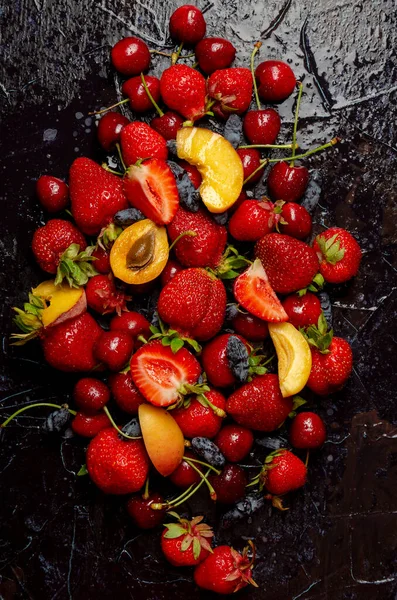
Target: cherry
{"x": 286, "y": 182}
{"x": 251, "y": 160}
{"x": 132, "y": 322}
{"x": 167, "y": 124}
{"x": 214, "y": 53}
{"x": 144, "y": 288}
{"x": 235, "y": 442}
{"x": 262, "y": 126}
{"x": 193, "y": 172}
{"x": 249, "y": 326}
{"x": 307, "y": 431}
{"x": 302, "y": 311}
{"x": 102, "y": 262}
{"x": 53, "y": 193}
{"x": 230, "y": 484}
{"x": 144, "y": 517}
{"x": 109, "y": 129}
{"x": 136, "y": 92}
{"x": 242, "y": 197}
{"x": 91, "y": 394}
{"x": 125, "y": 393}
{"x": 89, "y": 425}
{"x": 216, "y": 363}
{"x": 187, "y": 25}
{"x": 170, "y": 270}
{"x": 184, "y": 476}
{"x": 252, "y": 220}
{"x": 299, "y": 221}
{"x": 114, "y": 349}
{"x": 130, "y": 56}
{"x": 276, "y": 80}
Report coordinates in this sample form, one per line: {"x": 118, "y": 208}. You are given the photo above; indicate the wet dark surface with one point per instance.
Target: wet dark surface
{"x": 61, "y": 538}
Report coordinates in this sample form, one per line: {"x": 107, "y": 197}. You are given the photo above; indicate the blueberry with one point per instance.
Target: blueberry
{"x": 56, "y": 420}
{"x": 128, "y": 216}
{"x": 208, "y": 451}
{"x": 131, "y": 428}
{"x": 233, "y": 130}
{"x": 326, "y": 307}
{"x": 171, "y": 145}
{"x": 237, "y": 356}
{"x": 188, "y": 195}
{"x": 231, "y": 312}
{"x": 221, "y": 218}
{"x": 246, "y": 507}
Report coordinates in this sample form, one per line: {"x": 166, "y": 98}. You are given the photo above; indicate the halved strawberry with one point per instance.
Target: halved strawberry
{"x": 253, "y": 292}
{"x": 160, "y": 375}
{"x": 151, "y": 187}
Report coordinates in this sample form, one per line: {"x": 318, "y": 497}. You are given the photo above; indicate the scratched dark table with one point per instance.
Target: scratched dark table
{"x": 61, "y": 538}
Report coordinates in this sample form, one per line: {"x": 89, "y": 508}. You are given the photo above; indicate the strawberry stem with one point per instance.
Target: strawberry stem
{"x": 188, "y": 233}
{"x": 25, "y": 408}
{"x": 100, "y": 112}
{"x": 255, "y": 50}
{"x": 121, "y": 157}
{"x": 271, "y": 146}
{"x": 129, "y": 437}
{"x": 200, "y": 462}
{"x": 152, "y": 100}
{"x": 298, "y": 103}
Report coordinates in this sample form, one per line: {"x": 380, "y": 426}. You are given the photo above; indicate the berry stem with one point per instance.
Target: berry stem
{"x": 145, "y": 494}
{"x": 161, "y": 53}
{"x": 209, "y": 486}
{"x": 271, "y": 146}
{"x": 192, "y": 492}
{"x": 255, "y": 50}
{"x": 188, "y": 233}
{"x": 298, "y": 103}
{"x": 129, "y": 437}
{"x": 152, "y": 100}
{"x": 100, "y": 112}
{"x": 176, "y": 55}
{"x": 121, "y": 157}
{"x": 109, "y": 170}
{"x": 261, "y": 166}
{"x": 330, "y": 144}
{"x": 200, "y": 462}
{"x": 24, "y": 408}
{"x": 218, "y": 411}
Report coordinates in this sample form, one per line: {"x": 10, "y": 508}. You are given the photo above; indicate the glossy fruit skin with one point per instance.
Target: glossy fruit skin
{"x": 232, "y": 88}
{"x": 200, "y": 421}
{"x": 215, "y": 361}
{"x": 251, "y": 160}
{"x": 130, "y": 56}
{"x": 331, "y": 371}
{"x": 287, "y": 473}
{"x": 187, "y": 25}
{"x": 243, "y": 196}
{"x": 139, "y": 140}
{"x": 252, "y": 220}
{"x": 302, "y": 311}
{"x": 183, "y": 89}
{"x": 286, "y": 182}
{"x": 103, "y": 296}
{"x": 213, "y": 573}
{"x": 262, "y": 126}
{"x": 167, "y": 125}
{"x": 184, "y": 476}
{"x": 117, "y": 466}
{"x": 250, "y": 327}
{"x": 50, "y": 242}
{"x": 125, "y": 393}
{"x": 90, "y": 425}
{"x": 91, "y": 394}
{"x": 139, "y": 100}
{"x": 133, "y": 322}
{"x": 114, "y": 349}
{"x": 142, "y": 515}
{"x": 109, "y": 129}
{"x": 229, "y": 485}
{"x": 299, "y": 221}
{"x": 214, "y": 53}
{"x": 178, "y": 558}
{"x": 307, "y": 431}
{"x": 170, "y": 270}
{"x": 235, "y": 442}
{"x": 53, "y": 193}
{"x": 348, "y": 266}
{"x": 276, "y": 80}
{"x": 193, "y": 173}
{"x": 102, "y": 262}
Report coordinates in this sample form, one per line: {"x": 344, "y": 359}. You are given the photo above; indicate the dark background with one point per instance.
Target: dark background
{"x": 61, "y": 538}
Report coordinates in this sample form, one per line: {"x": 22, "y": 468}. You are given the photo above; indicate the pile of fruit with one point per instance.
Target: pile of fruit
{"x": 233, "y": 329}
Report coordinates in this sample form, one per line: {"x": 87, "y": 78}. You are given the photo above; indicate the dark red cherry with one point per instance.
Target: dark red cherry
{"x": 144, "y": 517}
{"x": 242, "y": 197}
{"x": 167, "y": 125}
{"x": 132, "y": 322}
{"x": 249, "y": 326}
{"x": 89, "y": 425}
{"x": 286, "y": 182}
{"x": 91, "y": 394}
{"x": 234, "y": 441}
{"x": 130, "y": 56}
{"x": 125, "y": 392}
{"x": 302, "y": 311}
{"x": 214, "y": 53}
{"x": 276, "y": 80}
{"x": 299, "y": 221}
{"x": 187, "y": 25}
{"x": 102, "y": 262}
{"x": 53, "y": 193}
{"x": 139, "y": 100}
{"x": 307, "y": 431}
{"x": 170, "y": 270}
{"x": 184, "y": 475}
{"x": 230, "y": 484}
{"x": 262, "y": 126}
{"x": 114, "y": 349}
{"x": 109, "y": 129}
{"x": 251, "y": 160}
{"x": 193, "y": 172}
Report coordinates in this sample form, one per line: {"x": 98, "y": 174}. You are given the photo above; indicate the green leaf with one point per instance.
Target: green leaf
{"x": 174, "y": 531}
{"x": 166, "y": 341}
{"x": 154, "y": 329}
{"x": 195, "y": 345}
{"x": 186, "y": 543}
{"x": 82, "y": 471}
{"x": 297, "y": 401}
{"x": 229, "y": 275}
{"x": 196, "y": 548}
{"x": 176, "y": 344}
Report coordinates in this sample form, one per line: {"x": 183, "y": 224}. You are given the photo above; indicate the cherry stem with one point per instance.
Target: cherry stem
{"x": 145, "y": 494}
{"x": 271, "y": 146}
{"x": 161, "y": 53}
{"x": 261, "y": 166}
{"x": 330, "y": 144}
{"x": 218, "y": 411}
{"x": 209, "y": 486}
{"x": 298, "y": 103}
{"x": 307, "y": 458}
{"x": 200, "y": 462}
{"x": 100, "y": 112}
{"x": 129, "y": 437}
{"x": 121, "y": 157}
{"x": 188, "y": 233}
{"x": 255, "y": 50}
{"x": 24, "y": 408}
{"x": 192, "y": 492}
{"x": 109, "y": 170}
{"x": 176, "y": 55}
{"x": 152, "y": 100}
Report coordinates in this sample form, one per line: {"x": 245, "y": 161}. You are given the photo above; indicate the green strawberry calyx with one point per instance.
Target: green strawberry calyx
{"x": 260, "y": 479}
{"x": 195, "y": 533}
{"x": 331, "y": 249}
{"x": 230, "y": 265}
{"x": 108, "y": 236}
{"x": 75, "y": 266}
{"x": 28, "y": 320}
{"x": 315, "y": 286}
{"x": 319, "y": 336}
{"x": 172, "y": 338}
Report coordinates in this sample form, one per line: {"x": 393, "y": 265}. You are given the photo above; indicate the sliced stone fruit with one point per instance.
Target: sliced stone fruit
{"x": 294, "y": 357}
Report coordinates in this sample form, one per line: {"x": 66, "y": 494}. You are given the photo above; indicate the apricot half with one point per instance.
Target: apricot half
{"x": 294, "y": 357}
{"x": 162, "y": 437}
{"x": 63, "y": 302}
{"x": 218, "y": 162}
{"x": 140, "y": 253}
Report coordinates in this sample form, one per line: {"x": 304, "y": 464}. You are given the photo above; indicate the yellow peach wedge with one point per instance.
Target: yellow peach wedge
{"x": 140, "y": 252}
{"x": 63, "y": 302}
{"x": 219, "y": 165}
{"x": 294, "y": 357}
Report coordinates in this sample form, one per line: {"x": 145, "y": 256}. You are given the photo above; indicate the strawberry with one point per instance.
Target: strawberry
{"x": 103, "y": 296}
{"x": 252, "y": 220}
{"x": 125, "y": 393}
{"x": 183, "y": 89}
{"x": 225, "y": 571}
{"x": 89, "y": 425}
{"x": 151, "y": 188}
{"x": 254, "y": 292}
{"x": 197, "y": 418}
{"x": 117, "y": 466}
{"x": 290, "y": 264}
{"x": 339, "y": 255}
{"x": 259, "y": 404}
{"x": 283, "y": 472}
{"x": 186, "y": 543}
{"x": 302, "y": 311}
{"x": 205, "y": 249}
{"x": 140, "y": 141}
{"x": 52, "y": 240}
{"x": 232, "y": 90}
{"x": 160, "y": 374}
{"x": 96, "y": 195}
{"x": 193, "y": 303}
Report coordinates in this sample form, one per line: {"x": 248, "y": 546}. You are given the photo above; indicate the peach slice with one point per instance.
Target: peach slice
{"x": 163, "y": 438}
{"x": 294, "y": 357}
{"x": 140, "y": 253}
{"x": 218, "y": 162}
{"x": 63, "y": 302}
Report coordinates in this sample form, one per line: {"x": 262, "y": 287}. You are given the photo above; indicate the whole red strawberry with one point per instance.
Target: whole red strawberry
{"x": 125, "y": 392}
{"x": 225, "y": 571}
{"x": 140, "y": 141}
{"x": 302, "y": 311}
{"x": 193, "y": 303}
{"x": 232, "y": 90}
{"x": 205, "y": 249}
{"x": 290, "y": 264}
{"x": 331, "y": 370}
{"x": 186, "y": 543}
{"x": 52, "y": 240}
{"x": 259, "y": 404}
{"x": 184, "y": 89}
{"x": 197, "y": 418}
{"x": 117, "y": 466}
{"x": 307, "y": 431}
{"x": 283, "y": 472}
{"x": 339, "y": 255}
{"x": 95, "y": 195}
{"x": 140, "y": 511}
{"x": 104, "y": 297}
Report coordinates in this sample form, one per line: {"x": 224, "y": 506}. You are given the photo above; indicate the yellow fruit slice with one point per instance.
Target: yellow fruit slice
{"x": 64, "y": 302}
{"x": 294, "y": 357}
{"x": 218, "y": 162}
